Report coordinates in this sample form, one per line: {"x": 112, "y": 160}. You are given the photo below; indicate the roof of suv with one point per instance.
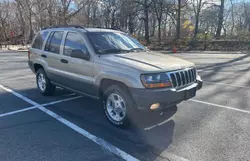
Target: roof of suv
{"x": 77, "y": 28}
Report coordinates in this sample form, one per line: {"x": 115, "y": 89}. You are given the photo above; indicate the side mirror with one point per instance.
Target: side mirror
{"x": 78, "y": 53}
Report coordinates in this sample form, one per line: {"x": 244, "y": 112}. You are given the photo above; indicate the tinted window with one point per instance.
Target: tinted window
{"x": 73, "y": 41}
{"x": 54, "y": 42}
{"x": 40, "y": 38}
{"x": 46, "y": 48}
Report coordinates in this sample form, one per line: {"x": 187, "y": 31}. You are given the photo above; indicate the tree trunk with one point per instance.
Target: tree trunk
{"x": 94, "y": 17}
{"x": 220, "y": 22}
{"x": 21, "y": 18}
{"x": 154, "y": 17}
{"x": 31, "y": 29}
{"x": 113, "y": 19}
{"x": 178, "y": 25}
{"x": 153, "y": 27}
{"x": 159, "y": 30}
{"x": 197, "y": 18}
{"x": 50, "y": 13}
{"x": 130, "y": 24}
{"x": 232, "y": 29}
{"x": 196, "y": 30}
{"x": 146, "y": 22}
{"x": 88, "y": 14}
{"x": 64, "y": 14}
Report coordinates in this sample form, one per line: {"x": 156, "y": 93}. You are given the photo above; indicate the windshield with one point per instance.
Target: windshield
{"x": 111, "y": 42}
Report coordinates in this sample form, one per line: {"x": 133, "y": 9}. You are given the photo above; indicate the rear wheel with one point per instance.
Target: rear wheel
{"x": 43, "y": 83}
{"x": 118, "y": 106}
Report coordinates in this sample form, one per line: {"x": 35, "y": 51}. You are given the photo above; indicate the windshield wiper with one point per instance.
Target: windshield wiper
{"x": 108, "y": 51}
{"x": 134, "y": 49}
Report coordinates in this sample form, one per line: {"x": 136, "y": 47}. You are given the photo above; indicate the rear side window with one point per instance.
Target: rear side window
{"x": 54, "y": 42}
{"x": 40, "y": 38}
{"x": 73, "y": 41}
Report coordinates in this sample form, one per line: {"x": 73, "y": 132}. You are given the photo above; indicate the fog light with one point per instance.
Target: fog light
{"x": 154, "y": 106}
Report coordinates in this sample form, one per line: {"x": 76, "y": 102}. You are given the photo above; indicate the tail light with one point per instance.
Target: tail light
{"x": 29, "y": 54}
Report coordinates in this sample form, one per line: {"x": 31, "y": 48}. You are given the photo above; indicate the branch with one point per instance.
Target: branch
{"x": 77, "y": 11}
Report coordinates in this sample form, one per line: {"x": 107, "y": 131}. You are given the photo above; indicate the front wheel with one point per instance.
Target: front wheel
{"x": 118, "y": 106}
{"x": 43, "y": 83}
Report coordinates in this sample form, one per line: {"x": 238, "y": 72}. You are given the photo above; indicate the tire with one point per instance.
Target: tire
{"x": 43, "y": 83}
{"x": 116, "y": 91}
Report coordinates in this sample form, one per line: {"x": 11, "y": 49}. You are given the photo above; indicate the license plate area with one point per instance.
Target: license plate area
{"x": 190, "y": 93}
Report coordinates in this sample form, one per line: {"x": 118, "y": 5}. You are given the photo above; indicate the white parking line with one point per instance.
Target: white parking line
{"x": 215, "y": 66}
{"x": 33, "y": 107}
{"x": 227, "y": 73}
{"x": 104, "y": 144}
{"x": 63, "y": 100}
{"x": 224, "y": 84}
{"x": 17, "y": 111}
{"x": 203, "y": 102}
{"x": 226, "y": 107}
{"x": 159, "y": 124}
{"x": 221, "y": 65}
{"x": 174, "y": 157}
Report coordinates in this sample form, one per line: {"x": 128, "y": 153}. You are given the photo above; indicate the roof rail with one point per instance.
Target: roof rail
{"x": 110, "y": 28}
{"x": 64, "y": 26}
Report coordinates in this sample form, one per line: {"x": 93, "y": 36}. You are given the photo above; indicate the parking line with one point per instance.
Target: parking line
{"x": 226, "y": 107}
{"x": 224, "y": 84}
{"x": 33, "y": 107}
{"x": 17, "y": 111}
{"x": 159, "y": 124}
{"x": 203, "y": 102}
{"x": 104, "y": 144}
{"x": 60, "y": 101}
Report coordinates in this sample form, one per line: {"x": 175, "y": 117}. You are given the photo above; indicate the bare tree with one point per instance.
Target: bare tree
{"x": 145, "y": 4}
{"x": 180, "y": 5}
{"x": 220, "y": 21}
{"x": 65, "y": 12}
{"x": 4, "y": 14}
{"x": 232, "y": 14}
{"x": 159, "y": 6}
{"x": 197, "y": 6}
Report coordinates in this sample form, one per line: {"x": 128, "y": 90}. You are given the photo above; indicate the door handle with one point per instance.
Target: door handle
{"x": 44, "y": 56}
{"x": 64, "y": 61}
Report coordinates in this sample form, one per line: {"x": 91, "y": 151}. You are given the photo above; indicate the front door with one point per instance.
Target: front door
{"x": 79, "y": 71}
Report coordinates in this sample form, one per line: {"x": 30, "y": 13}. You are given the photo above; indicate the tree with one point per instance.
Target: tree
{"x": 220, "y": 21}
{"x": 65, "y": 12}
{"x": 145, "y": 4}
{"x": 159, "y": 7}
{"x": 178, "y": 25}
{"x": 180, "y": 5}
{"x": 232, "y": 14}
{"x": 197, "y": 5}
{"x": 27, "y": 8}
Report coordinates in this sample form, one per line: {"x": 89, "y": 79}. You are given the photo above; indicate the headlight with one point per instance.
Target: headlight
{"x": 160, "y": 80}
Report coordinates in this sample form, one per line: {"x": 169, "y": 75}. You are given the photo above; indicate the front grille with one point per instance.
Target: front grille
{"x": 183, "y": 77}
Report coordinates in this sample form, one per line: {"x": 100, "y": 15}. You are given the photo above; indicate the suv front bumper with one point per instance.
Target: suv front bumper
{"x": 144, "y": 98}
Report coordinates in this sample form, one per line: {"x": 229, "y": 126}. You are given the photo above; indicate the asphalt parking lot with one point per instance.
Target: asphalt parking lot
{"x": 213, "y": 126}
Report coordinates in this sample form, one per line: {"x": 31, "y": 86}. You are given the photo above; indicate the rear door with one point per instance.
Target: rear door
{"x": 79, "y": 71}
{"x": 51, "y": 54}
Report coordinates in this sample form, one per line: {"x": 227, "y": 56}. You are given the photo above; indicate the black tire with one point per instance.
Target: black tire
{"x": 130, "y": 105}
{"x": 49, "y": 88}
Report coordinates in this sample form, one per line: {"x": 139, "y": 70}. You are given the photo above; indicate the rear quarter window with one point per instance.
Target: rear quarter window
{"x": 39, "y": 40}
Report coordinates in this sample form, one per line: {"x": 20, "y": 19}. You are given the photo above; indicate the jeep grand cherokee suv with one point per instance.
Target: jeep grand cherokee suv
{"x": 112, "y": 66}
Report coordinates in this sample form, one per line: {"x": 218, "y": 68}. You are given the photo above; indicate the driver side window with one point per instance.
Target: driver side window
{"x": 73, "y": 41}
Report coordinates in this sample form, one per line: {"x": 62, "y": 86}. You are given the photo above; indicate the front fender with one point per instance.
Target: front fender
{"x": 129, "y": 77}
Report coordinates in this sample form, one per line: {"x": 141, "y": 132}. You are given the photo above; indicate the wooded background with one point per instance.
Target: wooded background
{"x": 156, "y": 22}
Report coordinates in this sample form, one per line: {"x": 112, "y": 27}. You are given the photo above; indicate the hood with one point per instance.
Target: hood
{"x": 149, "y": 61}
